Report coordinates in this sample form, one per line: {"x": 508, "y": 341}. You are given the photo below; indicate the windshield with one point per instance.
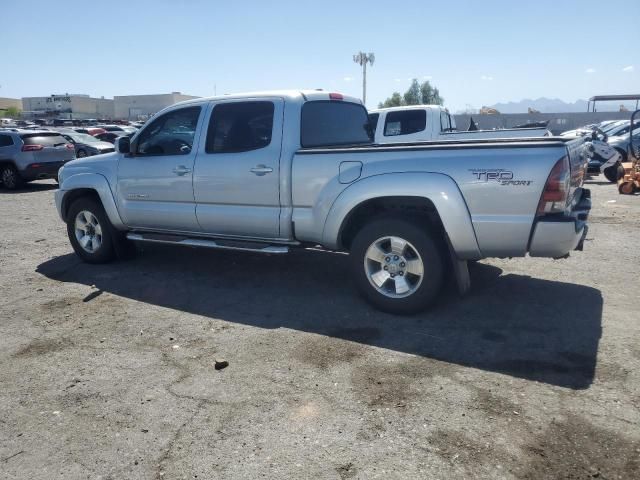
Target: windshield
{"x": 612, "y": 127}
{"x": 83, "y": 138}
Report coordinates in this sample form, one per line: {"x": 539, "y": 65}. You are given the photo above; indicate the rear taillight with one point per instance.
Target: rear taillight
{"x": 336, "y": 96}
{"x": 556, "y": 190}
{"x": 32, "y": 148}
{"x": 69, "y": 146}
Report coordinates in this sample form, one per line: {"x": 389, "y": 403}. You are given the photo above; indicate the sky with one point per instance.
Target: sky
{"x": 476, "y": 52}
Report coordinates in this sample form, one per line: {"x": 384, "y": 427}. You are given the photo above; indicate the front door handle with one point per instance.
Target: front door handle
{"x": 181, "y": 170}
{"x": 261, "y": 170}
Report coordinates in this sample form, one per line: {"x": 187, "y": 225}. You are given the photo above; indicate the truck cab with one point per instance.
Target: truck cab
{"x": 422, "y": 123}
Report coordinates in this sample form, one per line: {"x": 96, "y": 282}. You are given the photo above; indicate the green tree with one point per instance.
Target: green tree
{"x": 12, "y": 112}
{"x": 395, "y": 100}
{"x": 417, "y": 94}
{"x": 413, "y": 96}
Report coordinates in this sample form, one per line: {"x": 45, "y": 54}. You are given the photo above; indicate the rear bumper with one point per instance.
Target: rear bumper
{"x": 35, "y": 171}
{"x": 555, "y": 237}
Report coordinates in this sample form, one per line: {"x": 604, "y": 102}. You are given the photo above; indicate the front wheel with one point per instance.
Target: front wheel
{"x": 89, "y": 231}
{"x": 397, "y": 265}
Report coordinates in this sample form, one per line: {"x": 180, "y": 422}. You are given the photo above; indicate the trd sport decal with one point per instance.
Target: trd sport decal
{"x": 503, "y": 177}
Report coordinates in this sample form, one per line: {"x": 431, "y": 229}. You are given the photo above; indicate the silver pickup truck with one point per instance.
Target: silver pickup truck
{"x": 266, "y": 172}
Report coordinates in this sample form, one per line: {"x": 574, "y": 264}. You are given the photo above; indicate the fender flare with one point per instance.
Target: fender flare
{"x": 97, "y": 183}
{"x": 440, "y": 189}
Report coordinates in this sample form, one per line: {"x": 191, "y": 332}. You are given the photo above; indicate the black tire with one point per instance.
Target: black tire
{"x": 106, "y": 251}
{"x": 10, "y": 177}
{"x": 81, "y": 153}
{"x": 614, "y": 172}
{"x": 425, "y": 245}
{"x": 622, "y": 153}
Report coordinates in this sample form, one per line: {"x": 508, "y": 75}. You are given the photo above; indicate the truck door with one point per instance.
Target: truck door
{"x": 237, "y": 173}
{"x": 155, "y": 182}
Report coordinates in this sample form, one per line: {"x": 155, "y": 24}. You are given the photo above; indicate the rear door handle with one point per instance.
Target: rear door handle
{"x": 181, "y": 170}
{"x": 261, "y": 170}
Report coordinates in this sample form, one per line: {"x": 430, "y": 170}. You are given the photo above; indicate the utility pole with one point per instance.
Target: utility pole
{"x": 362, "y": 59}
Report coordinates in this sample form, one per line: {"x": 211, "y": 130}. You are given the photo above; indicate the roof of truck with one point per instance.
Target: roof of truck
{"x": 407, "y": 107}
{"x": 305, "y": 95}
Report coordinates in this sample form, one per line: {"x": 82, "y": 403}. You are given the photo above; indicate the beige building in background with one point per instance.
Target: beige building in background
{"x": 68, "y": 106}
{"x": 10, "y": 102}
{"x": 135, "y": 107}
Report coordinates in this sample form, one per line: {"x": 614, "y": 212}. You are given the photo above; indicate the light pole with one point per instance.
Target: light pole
{"x": 362, "y": 59}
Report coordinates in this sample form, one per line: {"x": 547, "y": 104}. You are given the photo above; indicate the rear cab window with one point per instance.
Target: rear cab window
{"x": 405, "y": 122}
{"x": 445, "y": 122}
{"x": 330, "y": 123}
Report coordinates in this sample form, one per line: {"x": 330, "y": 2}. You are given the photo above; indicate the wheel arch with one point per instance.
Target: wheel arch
{"x": 89, "y": 184}
{"x": 432, "y": 196}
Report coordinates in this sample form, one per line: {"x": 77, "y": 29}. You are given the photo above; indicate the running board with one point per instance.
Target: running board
{"x": 207, "y": 243}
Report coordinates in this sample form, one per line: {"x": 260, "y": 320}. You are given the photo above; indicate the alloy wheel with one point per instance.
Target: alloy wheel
{"x": 394, "y": 267}
{"x": 88, "y": 231}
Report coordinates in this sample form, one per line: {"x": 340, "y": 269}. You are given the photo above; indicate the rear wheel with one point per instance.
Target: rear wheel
{"x": 10, "y": 177}
{"x": 614, "y": 172}
{"x": 81, "y": 153}
{"x": 90, "y": 231}
{"x": 397, "y": 265}
{"x": 622, "y": 153}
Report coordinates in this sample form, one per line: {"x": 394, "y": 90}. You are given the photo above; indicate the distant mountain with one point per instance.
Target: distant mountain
{"x": 543, "y": 105}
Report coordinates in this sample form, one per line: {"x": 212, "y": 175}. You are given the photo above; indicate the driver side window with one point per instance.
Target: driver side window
{"x": 169, "y": 134}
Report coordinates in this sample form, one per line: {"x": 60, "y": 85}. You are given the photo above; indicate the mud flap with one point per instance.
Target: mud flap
{"x": 460, "y": 270}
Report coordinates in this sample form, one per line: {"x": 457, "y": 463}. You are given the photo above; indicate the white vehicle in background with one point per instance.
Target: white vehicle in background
{"x": 7, "y": 123}
{"x": 421, "y": 123}
{"x": 587, "y": 129}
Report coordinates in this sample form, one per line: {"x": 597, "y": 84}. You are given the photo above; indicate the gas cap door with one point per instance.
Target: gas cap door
{"x": 350, "y": 172}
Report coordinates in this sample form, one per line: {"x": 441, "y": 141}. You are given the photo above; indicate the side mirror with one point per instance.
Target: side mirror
{"x": 123, "y": 145}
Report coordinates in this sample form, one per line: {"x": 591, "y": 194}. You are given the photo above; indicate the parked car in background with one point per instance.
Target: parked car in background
{"x": 8, "y": 123}
{"x": 622, "y": 142}
{"x": 111, "y": 136}
{"x": 119, "y": 128}
{"x": 587, "y": 129}
{"x": 621, "y": 128}
{"x": 27, "y": 155}
{"x": 87, "y": 145}
{"x": 421, "y": 123}
{"x": 58, "y": 122}
{"x": 93, "y": 131}
{"x": 24, "y": 123}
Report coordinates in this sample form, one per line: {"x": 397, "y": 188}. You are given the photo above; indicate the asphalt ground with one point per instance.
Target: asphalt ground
{"x": 109, "y": 371}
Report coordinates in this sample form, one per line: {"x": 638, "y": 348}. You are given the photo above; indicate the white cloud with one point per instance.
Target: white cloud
{"x": 590, "y": 70}
{"x": 397, "y": 80}
{"x": 348, "y": 79}
{"x": 486, "y": 78}
{"x": 628, "y": 69}
{"x": 427, "y": 77}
